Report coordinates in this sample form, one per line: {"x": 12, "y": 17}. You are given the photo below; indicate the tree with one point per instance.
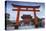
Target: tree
{"x": 7, "y": 16}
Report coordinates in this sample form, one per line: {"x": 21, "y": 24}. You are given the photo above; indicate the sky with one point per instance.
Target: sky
{"x": 13, "y": 14}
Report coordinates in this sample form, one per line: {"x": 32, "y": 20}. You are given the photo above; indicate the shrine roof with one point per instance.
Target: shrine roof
{"x": 25, "y": 6}
{"x": 26, "y": 16}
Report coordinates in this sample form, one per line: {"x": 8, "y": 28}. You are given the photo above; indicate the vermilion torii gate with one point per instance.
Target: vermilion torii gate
{"x": 19, "y": 9}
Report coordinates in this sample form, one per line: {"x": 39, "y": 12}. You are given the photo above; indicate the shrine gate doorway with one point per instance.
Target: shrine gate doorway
{"x": 18, "y": 9}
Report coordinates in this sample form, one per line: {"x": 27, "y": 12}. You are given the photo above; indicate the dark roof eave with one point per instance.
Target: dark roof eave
{"x": 26, "y": 6}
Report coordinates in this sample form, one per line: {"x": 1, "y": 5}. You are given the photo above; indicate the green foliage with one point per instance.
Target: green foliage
{"x": 7, "y": 16}
{"x": 39, "y": 22}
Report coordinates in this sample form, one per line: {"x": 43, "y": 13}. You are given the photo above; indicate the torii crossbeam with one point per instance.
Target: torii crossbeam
{"x": 19, "y": 9}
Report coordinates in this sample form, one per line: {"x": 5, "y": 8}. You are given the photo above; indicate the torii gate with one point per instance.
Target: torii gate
{"x": 19, "y": 9}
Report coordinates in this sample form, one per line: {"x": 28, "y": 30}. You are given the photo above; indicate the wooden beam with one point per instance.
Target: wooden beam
{"x": 26, "y": 10}
{"x": 17, "y": 18}
{"x": 35, "y": 19}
